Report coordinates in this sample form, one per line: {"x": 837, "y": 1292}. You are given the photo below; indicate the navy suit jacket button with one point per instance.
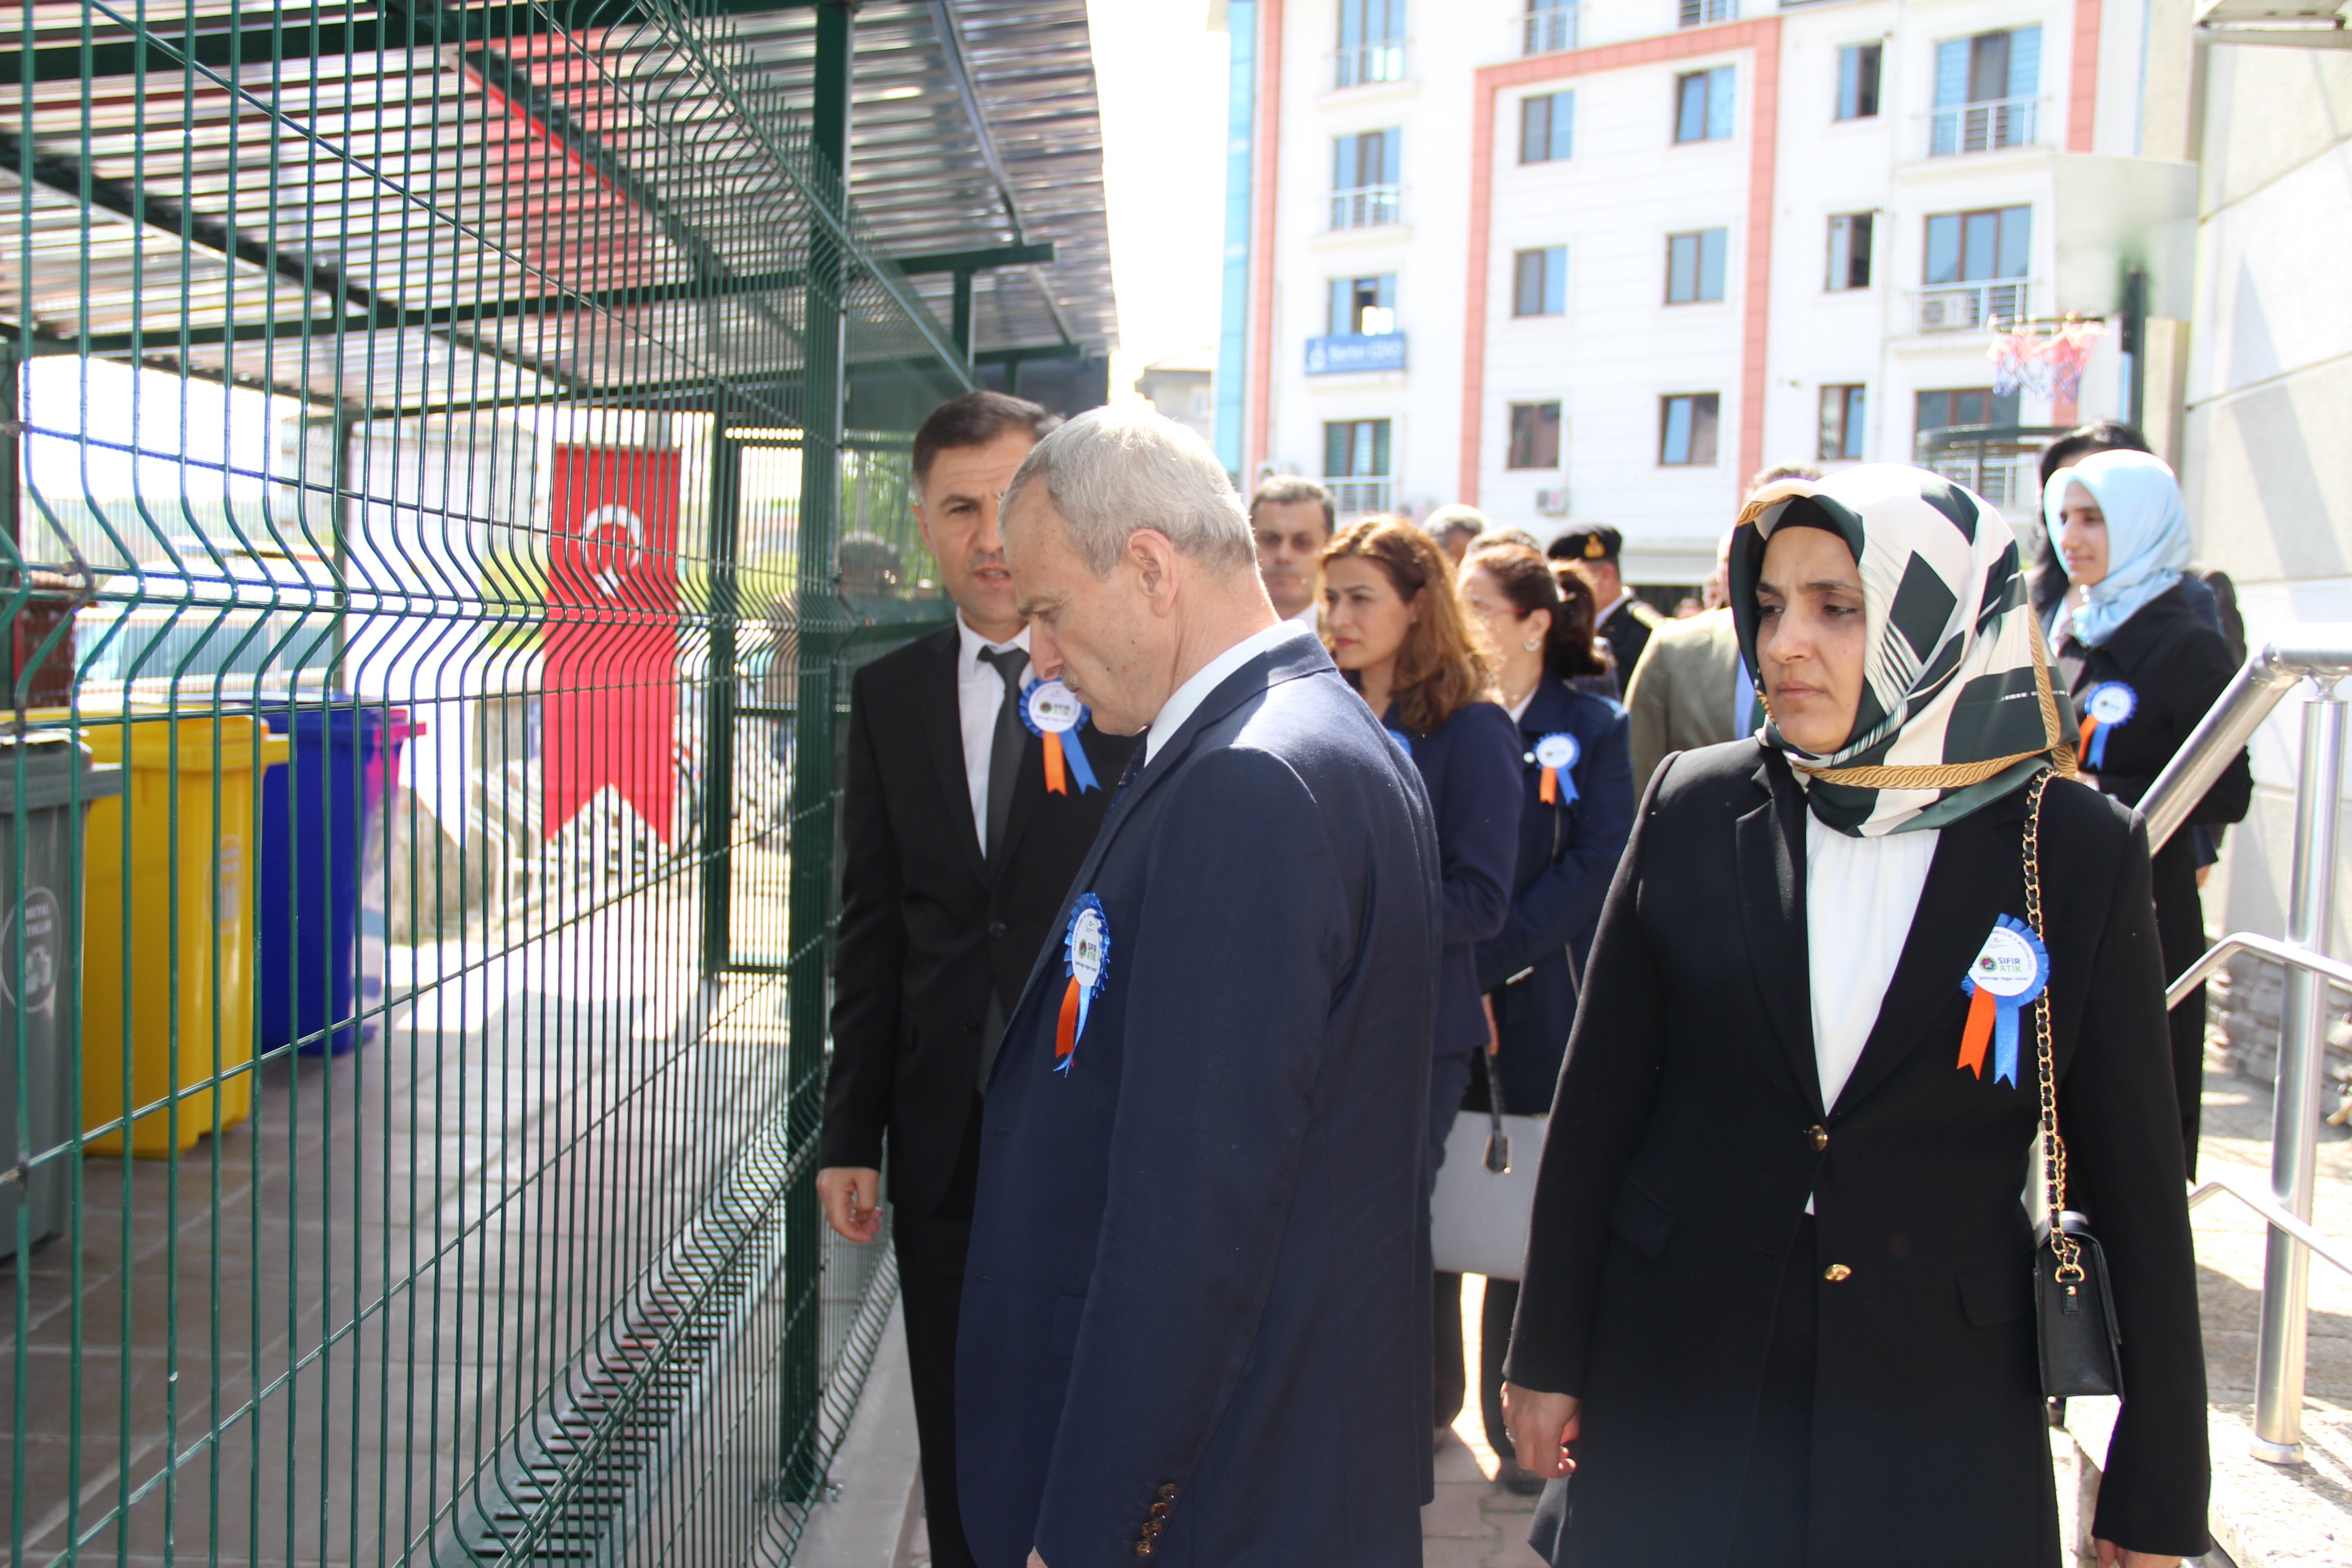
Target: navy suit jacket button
{"x": 996, "y": 928}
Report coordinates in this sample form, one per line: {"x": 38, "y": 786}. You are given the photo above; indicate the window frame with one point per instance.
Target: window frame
{"x": 2001, "y": 216}
{"x": 1709, "y": 100}
{"x": 1866, "y": 223}
{"x": 1992, "y": 408}
{"x": 1553, "y": 274}
{"x": 1851, "y": 401}
{"x": 1513, "y": 432}
{"x": 1874, "y": 52}
{"x": 1694, "y": 429}
{"x": 1383, "y": 440}
{"x": 1559, "y": 145}
{"x": 1699, "y": 238}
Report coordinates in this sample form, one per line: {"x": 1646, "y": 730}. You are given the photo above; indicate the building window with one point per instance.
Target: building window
{"x": 1695, "y": 266}
{"x": 1842, "y": 422}
{"x": 1857, "y": 96}
{"x": 1535, "y": 436}
{"x": 1987, "y": 90}
{"x": 1364, "y": 179}
{"x": 1849, "y": 251}
{"x": 1686, "y": 429}
{"x": 1356, "y": 449}
{"x": 1540, "y": 282}
{"x": 1703, "y": 105}
{"x": 1966, "y": 405}
{"x": 1371, "y": 42}
{"x": 1548, "y": 27}
{"x": 1972, "y": 248}
{"x": 1705, "y": 13}
{"x": 1363, "y": 306}
{"x": 1546, "y": 127}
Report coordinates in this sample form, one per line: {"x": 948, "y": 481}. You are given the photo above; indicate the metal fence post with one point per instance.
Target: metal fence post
{"x": 719, "y": 708}
{"x": 810, "y": 900}
{"x": 2295, "y": 1118}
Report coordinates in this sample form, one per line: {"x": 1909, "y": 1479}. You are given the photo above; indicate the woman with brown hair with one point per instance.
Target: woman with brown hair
{"x": 1397, "y": 630}
{"x": 1584, "y": 659}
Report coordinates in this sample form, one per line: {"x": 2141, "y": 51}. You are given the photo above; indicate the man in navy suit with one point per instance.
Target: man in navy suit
{"x": 1196, "y": 1314}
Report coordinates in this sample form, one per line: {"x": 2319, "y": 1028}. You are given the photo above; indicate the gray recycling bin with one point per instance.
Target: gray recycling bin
{"x": 41, "y": 815}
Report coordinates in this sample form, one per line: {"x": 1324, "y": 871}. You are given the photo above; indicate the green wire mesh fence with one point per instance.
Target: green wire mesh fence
{"x": 463, "y": 450}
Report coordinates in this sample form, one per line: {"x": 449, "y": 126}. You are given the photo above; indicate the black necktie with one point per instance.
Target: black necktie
{"x": 1005, "y": 748}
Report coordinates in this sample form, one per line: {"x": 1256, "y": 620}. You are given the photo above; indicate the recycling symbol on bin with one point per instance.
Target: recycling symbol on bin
{"x": 612, "y": 542}
{"x": 43, "y": 924}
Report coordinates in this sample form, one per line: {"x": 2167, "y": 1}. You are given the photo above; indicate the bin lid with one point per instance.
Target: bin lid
{"x": 50, "y": 763}
{"x": 236, "y": 743}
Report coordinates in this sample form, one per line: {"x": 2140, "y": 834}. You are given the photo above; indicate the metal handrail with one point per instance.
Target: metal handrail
{"x": 2271, "y": 1211}
{"x": 2321, "y": 652}
{"x": 2229, "y": 947}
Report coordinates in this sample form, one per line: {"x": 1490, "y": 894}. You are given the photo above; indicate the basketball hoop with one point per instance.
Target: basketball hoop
{"x": 2045, "y": 358}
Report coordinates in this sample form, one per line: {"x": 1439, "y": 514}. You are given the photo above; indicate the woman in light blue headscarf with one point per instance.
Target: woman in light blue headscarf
{"x": 2143, "y": 667}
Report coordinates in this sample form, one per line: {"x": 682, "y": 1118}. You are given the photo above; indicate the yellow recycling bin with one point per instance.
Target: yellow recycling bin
{"x": 187, "y": 973}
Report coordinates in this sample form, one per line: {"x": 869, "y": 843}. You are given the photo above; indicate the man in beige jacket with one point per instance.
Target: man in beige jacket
{"x": 1689, "y": 688}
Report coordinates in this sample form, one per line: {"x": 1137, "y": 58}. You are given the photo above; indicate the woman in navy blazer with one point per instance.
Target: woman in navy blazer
{"x": 1541, "y": 624}
{"x": 1397, "y": 630}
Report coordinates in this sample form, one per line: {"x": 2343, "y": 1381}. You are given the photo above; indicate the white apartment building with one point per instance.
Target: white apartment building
{"x": 1600, "y": 262}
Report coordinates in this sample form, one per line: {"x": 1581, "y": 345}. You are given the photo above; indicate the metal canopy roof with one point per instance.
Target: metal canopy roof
{"x": 391, "y": 207}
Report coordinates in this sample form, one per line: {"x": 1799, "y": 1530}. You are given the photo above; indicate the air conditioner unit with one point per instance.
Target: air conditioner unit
{"x": 1553, "y": 503}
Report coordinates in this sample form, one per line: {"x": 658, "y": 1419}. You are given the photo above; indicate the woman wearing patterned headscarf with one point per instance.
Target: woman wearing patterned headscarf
{"x": 1778, "y": 1304}
{"x": 2145, "y": 665}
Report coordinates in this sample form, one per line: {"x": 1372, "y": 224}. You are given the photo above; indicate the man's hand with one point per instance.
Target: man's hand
{"x": 1036, "y": 1561}
{"x": 2114, "y": 1557}
{"x": 1542, "y": 1426}
{"x": 851, "y": 1198}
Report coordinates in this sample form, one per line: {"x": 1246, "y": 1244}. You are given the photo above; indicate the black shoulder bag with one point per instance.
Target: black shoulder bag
{"x": 2074, "y": 1306}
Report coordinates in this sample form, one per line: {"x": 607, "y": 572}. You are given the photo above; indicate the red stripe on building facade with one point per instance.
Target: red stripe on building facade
{"x": 2082, "y": 78}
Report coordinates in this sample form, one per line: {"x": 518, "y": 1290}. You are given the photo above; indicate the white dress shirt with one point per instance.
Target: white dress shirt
{"x": 1189, "y": 696}
{"x": 1860, "y": 897}
{"x": 980, "y": 693}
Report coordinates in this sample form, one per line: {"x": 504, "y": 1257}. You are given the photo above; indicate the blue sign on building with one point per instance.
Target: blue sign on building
{"x": 1346, "y": 353}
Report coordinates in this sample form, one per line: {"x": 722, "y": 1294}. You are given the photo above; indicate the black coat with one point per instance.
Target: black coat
{"x": 926, "y": 929}
{"x": 1626, "y": 630}
{"x": 1470, "y": 766}
{"x": 1199, "y": 1260}
{"x": 2176, "y": 665}
{"x": 1568, "y": 853}
{"x": 1688, "y": 1131}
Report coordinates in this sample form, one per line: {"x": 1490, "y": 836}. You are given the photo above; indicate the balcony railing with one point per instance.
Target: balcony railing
{"x": 1706, "y": 13}
{"x": 1964, "y": 307}
{"x": 1363, "y": 64}
{"x": 1368, "y": 207}
{"x": 1357, "y": 495}
{"x": 2001, "y": 463}
{"x": 1547, "y": 29}
{"x": 1982, "y": 127}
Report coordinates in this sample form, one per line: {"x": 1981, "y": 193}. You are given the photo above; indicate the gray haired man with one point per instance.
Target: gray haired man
{"x": 1199, "y": 1252}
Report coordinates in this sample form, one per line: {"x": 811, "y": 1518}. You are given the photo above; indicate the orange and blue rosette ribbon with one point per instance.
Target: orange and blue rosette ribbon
{"x": 2008, "y": 972}
{"x": 2104, "y": 706}
{"x": 1085, "y": 959}
{"x": 1054, "y": 715}
{"x": 1556, "y": 753}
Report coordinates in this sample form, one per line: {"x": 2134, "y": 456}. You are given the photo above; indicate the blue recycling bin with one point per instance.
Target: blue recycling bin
{"x": 308, "y": 903}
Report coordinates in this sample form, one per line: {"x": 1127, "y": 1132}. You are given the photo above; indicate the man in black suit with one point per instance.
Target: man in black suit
{"x": 957, "y": 848}
{"x": 1196, "y": 1318}
{"x": 1623, "y": 620}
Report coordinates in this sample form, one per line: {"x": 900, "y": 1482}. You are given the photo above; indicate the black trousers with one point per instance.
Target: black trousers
{"x": 931, "y": 1249}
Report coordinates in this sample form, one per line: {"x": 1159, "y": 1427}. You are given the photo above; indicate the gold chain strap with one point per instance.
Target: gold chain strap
{"x": 2053, "y": 1148}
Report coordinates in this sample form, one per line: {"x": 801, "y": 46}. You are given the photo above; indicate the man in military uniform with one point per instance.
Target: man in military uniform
{"x": 1625, "y": 621}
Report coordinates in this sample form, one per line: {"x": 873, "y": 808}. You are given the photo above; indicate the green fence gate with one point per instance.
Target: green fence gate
{"x": 463, "y": 447}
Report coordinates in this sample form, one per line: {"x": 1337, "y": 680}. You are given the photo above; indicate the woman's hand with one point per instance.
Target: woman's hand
{"x": 1541, "y": 1426}
{"x": 2114, "y": 1557}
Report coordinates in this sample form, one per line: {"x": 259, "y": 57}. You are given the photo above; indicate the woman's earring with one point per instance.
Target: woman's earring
{"x": 1532, "y": 644}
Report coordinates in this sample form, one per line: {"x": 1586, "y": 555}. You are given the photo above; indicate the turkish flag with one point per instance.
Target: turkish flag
{"x": 609, "y": 710}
